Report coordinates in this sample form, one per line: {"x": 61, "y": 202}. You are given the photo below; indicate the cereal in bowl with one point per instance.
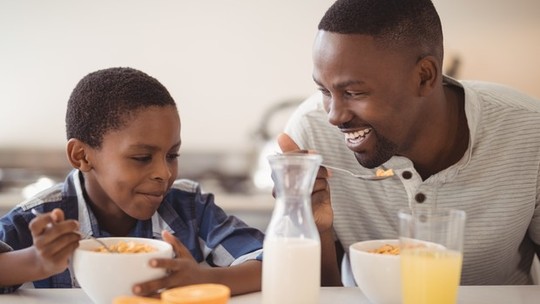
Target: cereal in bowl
{"x": 128, "y": 247}
{"x": 386, "y": 249}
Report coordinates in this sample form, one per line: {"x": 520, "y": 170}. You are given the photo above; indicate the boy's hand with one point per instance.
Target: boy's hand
{"x": 320, "y": 197}
{"x": 182, "y": 270}
{"x": 54, "y": 239}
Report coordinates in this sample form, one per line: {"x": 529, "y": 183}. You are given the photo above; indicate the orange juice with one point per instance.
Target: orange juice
{"x": 430, "y": 275}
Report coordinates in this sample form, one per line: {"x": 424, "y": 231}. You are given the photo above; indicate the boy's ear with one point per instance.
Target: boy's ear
{"x": 77, "y": 152}
{"x": 428, "y": 71}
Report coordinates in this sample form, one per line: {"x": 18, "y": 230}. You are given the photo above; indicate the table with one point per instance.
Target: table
{"x": 329, "y": 295}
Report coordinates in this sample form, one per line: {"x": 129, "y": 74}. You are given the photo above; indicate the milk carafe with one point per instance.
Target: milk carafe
{"x": 292, "y": 247}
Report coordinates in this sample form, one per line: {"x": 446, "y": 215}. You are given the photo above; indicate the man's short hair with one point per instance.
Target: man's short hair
{"x": 413, "y": 24}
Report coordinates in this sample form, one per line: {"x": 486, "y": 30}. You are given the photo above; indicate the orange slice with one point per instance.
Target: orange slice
{"x": 135, "y": 300}
{"x": 197, "y": 294}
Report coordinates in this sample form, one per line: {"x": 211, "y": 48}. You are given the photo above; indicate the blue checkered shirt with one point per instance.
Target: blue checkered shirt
{"x": 211, "y": 236}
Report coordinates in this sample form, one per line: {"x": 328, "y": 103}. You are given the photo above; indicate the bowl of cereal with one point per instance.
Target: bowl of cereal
{"x": 105, "y": 275}
{"x": 376, "y": 269}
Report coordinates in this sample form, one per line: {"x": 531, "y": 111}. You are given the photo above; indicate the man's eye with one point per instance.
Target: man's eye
{"x": 325, "y": 92}
{"x": 355, "y": 94}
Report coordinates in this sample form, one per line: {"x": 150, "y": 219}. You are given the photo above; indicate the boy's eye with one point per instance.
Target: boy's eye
{"x": 142, "y": 158}
{"x": 173, "y": 156}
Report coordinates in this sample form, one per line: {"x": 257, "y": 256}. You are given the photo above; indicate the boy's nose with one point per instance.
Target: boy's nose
{"x": 163, "y": 171}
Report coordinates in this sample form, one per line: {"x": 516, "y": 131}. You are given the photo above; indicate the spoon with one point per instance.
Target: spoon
{"x": 386, "y": 174}
{"x": 36, "y": 213}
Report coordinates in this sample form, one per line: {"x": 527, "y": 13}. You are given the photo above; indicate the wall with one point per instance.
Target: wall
{"x": 497, "y": 40}
{"x": 224, "y": 62}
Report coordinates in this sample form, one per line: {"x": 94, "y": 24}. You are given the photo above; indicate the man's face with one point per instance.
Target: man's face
{"x": 136, "y": 164}
{"x": 370, "y": 94}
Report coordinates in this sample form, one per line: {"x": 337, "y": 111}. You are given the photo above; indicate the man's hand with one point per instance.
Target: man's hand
{"x": 324, "y": 217}
{"x": 320, "y": 197}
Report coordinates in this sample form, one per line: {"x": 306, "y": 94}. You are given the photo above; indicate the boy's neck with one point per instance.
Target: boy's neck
{"x": 114, "y": 224}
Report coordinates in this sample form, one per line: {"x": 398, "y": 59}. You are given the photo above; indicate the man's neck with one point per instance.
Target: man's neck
{"x": 454, "y": 135}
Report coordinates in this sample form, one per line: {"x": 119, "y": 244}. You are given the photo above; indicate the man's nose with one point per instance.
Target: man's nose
{"x": 338, "y": 112}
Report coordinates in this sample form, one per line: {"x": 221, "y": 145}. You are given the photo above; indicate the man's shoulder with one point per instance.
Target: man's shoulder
{"x": 310, "y": 114}
{"x": 312, "y": 105}
{"x": 501, "y": 95}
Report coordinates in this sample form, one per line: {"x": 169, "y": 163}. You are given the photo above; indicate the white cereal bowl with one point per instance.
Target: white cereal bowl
{"x": 104, "y": 276}
{"x": 377, "y": 275}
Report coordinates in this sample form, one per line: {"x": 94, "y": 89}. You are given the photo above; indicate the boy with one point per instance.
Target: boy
{"x": 123, "y": 132}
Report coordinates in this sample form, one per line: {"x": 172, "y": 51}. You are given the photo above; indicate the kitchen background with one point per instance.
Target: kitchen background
{"x": 236, "y": 69}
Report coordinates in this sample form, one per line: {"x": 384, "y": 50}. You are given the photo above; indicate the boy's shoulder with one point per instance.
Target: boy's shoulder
{"x": 49, "y": 195}
{"x": 186, "y": 185}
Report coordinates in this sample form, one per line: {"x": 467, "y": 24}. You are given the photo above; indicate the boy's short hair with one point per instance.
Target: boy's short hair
{"x": 102, "y": 101}
{"x": 413, "y": 24}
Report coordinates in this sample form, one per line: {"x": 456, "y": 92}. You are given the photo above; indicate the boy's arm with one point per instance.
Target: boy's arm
{"x": 241, "y": 278}
{"x": 21, "y": 265}
{"x": 54, "y": 239}
{"x": 185, "y": 270}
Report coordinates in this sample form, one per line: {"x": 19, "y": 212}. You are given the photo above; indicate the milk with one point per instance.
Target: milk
{"x": 291, "y": 271}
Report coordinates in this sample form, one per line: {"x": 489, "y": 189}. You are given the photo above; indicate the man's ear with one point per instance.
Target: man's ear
{"x": 77, "y": 154}
{"x": 428, "y": 71}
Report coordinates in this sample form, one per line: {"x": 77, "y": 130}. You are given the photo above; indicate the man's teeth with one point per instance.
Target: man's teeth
{"x": 358, "y": 134}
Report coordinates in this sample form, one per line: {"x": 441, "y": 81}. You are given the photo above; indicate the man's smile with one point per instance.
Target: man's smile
{"x": 356, "y": 137}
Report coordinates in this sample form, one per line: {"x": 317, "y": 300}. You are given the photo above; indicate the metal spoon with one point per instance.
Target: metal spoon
{"x": 36, "y": 213}
{"x": 360, "y": 176}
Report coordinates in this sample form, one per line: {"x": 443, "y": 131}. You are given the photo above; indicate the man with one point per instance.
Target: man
{"x": 456, "y": 144}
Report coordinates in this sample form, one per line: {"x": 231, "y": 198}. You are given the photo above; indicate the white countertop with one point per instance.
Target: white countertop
{"x": 329, "y": 295}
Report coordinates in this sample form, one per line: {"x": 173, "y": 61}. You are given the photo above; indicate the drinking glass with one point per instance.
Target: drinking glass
{"x": 431, "y": 242}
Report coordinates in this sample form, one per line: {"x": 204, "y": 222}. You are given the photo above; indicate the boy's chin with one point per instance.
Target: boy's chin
{"x": 143, "y": 216}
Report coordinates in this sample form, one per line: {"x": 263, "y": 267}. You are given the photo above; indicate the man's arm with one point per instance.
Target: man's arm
{"x": 330, "y": 257}
{"x": 323, "y": 215}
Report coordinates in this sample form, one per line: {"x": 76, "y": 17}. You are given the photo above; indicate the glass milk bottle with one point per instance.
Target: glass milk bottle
{"x": 292, "y": 247}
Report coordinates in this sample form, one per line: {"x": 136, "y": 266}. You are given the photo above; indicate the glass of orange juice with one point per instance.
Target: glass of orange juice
{"x": 431, "y": 241}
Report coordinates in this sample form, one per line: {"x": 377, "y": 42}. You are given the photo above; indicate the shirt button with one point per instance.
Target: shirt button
{"x": 420, "y": 197}
{"x": 406, "y": 174}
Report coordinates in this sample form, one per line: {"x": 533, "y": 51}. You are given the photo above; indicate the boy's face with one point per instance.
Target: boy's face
{"x": 136, "y": 164}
